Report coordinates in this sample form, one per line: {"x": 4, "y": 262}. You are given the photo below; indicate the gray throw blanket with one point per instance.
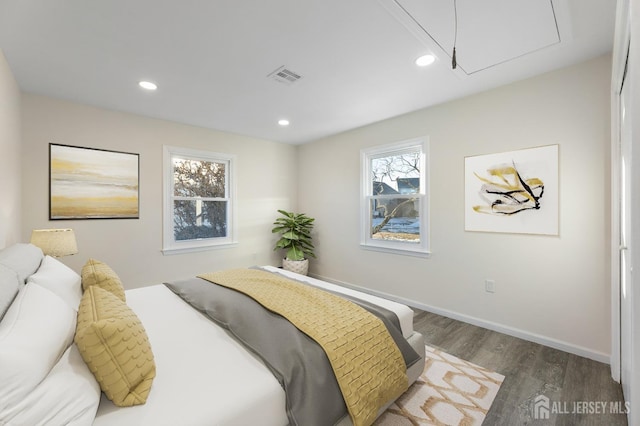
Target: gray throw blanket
{"x": 299, "y": 364}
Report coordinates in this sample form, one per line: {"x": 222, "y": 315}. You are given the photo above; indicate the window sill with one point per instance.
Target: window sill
{"x": 182, "y": 250}
{"x": 403, "y": 252}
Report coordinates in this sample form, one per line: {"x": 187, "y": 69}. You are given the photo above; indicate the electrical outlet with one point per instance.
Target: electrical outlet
{"x": 490, "y": 286}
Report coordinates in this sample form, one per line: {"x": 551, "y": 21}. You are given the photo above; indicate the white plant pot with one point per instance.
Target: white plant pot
{"x": 297, "y": 266}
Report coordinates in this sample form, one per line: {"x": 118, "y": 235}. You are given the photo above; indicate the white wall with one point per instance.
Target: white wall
{"x": 550, "y": 289}
{"x": 553, "y": 290}
{"x": 266, "y": 182}
{"x": 10, "y": 152}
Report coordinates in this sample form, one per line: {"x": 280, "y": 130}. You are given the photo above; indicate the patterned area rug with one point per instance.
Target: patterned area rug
{"x": 449, "y": 392}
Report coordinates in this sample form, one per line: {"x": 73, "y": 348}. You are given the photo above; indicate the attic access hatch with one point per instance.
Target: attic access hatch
{"x": 490, "y": 32}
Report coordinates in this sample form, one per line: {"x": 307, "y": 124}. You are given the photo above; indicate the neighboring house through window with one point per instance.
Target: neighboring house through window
{"x": 199, "y": 200}
{"x": 394, "y": 205}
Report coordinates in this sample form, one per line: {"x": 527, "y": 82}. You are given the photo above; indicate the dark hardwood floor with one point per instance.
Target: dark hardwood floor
{"x": 579, "y": 389}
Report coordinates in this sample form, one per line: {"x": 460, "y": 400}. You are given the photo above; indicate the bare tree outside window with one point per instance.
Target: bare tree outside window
{"x": 395, "y": 197}
{"x": 198, "y": 211}
{"x": 394, "y": 206}
{"x": 199, "y": 202}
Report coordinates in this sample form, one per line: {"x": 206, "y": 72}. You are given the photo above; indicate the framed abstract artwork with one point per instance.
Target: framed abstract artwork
{"x": 514, "y": 192}
{"x": 90, "y": 183}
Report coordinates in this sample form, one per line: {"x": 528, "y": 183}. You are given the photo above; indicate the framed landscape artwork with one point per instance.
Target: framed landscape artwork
{"x": 514, "y": 192}
{"x": 89, "y": 183}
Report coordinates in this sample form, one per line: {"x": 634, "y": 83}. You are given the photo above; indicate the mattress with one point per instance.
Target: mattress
{"x": 204, "y": 376}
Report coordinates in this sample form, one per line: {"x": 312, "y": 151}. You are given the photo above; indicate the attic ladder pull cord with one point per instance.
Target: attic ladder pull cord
{"x": 454, "y": 64}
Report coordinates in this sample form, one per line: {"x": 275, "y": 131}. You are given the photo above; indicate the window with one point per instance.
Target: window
{"x": 199, "y": 200}
{"x": 394, "y": 205}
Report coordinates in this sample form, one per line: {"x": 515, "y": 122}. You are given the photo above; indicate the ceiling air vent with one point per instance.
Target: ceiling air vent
{"x": 284, "y": 76}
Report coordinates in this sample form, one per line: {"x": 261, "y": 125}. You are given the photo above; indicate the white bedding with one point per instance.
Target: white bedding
{"x": 204, "y": 377}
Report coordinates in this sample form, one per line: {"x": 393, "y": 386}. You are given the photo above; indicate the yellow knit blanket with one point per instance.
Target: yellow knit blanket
{"x": 368, "y": 365}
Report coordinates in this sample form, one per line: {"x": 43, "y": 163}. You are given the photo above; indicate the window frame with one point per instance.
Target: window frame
{"x": 169, "y": 244}
{"x": 421, "y": 249}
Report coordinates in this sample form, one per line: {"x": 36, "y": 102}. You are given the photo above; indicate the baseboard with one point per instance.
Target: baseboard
{"x": 511, "y": 331}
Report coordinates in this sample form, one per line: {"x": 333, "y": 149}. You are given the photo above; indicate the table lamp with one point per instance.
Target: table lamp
{"x": 55, "y": 242}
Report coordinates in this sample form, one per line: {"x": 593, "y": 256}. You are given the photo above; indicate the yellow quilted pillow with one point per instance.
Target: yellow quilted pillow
{"x": 98, "y": 273}
{"x": 115, "y": 347}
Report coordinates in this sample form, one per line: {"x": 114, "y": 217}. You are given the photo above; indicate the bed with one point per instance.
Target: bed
{"x": 202, "y": 375}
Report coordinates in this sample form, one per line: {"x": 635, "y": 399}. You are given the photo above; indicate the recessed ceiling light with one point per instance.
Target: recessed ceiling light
{"x": 283, "y": 122}
{"x": 148, "y": 85}
{"x": 425, "y": 60}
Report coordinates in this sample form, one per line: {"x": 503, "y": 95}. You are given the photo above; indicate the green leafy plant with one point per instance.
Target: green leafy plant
{"x": 296, "y": 235}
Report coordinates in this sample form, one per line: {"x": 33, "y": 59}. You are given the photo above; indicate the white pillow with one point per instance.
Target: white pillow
{"x": 60, "y": 279}
{"x": 69, "y": 395}
{"x": 9, "y": 285}
{"x": 22, "y": 258}
{"x": 34, "y": 333}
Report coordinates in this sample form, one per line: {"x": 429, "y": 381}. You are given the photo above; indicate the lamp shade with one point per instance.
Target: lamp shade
{"x": 55, "y": 242}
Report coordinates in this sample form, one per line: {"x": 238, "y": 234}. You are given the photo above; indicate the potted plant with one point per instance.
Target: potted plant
{"x": 295, "y": 238}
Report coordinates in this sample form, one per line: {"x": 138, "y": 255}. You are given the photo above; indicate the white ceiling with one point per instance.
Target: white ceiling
{"x": 212, "y": 59}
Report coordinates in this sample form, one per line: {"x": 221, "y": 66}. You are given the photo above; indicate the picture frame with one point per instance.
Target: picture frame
{"x": 93, "y": 183}
{"x": 513, "y": 192}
